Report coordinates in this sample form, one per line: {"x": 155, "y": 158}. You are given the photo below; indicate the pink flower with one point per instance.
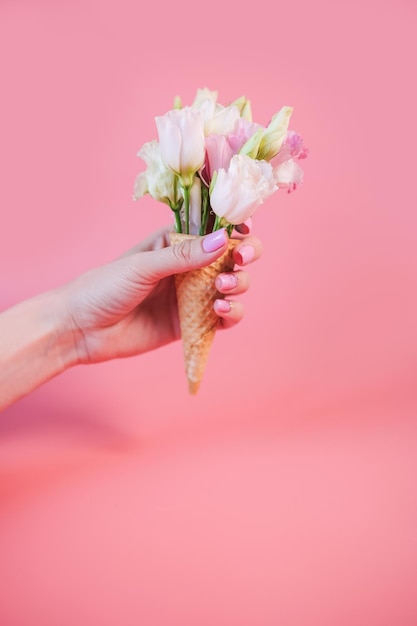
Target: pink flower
{"x": 221, "y": 148}
{"x": 242, "y": 131}
{"x": 292, "y": 148}
{"x": 287, "y": 173}
{"x": 218, "y": 155}
{"x": 295, "y": 143}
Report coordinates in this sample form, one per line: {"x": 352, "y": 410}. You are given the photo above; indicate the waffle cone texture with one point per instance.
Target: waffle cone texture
{"x": 196, "y": 293}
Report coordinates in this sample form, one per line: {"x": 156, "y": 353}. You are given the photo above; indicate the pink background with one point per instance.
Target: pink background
{"x": 285, "y": 492}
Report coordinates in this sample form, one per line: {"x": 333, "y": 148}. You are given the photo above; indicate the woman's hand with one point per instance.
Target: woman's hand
{"x": 129, "y": 306}
{"x": 124, "y": 308}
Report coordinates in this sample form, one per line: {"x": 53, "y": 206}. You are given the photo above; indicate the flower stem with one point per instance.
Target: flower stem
{"x": 177, "y": 221}
{"x": 217, "y": 223}
{"x": 205, "y": 209}
{"x": 187, "y": 208}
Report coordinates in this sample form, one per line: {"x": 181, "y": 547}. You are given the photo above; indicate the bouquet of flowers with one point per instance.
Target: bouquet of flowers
{"x": 214, "y": 166}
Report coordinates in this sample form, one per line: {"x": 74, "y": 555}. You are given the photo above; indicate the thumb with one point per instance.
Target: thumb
{"x": 189, "y": 254}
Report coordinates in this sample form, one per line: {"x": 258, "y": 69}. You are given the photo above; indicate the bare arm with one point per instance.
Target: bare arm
{"x": 35, "y": 345}
{"x": 124, "y": 308}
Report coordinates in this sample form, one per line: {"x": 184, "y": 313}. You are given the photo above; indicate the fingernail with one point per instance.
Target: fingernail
{"x": 246, "y": 254}
{"x": 245, "y": 227}
{"x": 222, "y": 306}
{"x": 226, "y": 281}
{"x": 214, "y": 241}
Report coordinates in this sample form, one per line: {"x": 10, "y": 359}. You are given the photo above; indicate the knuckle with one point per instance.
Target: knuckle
{"x": 183, "y": 252}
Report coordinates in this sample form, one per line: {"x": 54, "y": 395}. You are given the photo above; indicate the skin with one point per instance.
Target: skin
{"x": 124, "y": 308}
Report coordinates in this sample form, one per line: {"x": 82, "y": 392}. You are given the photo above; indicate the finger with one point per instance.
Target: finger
{"x": 249, "y": 249}
{"x": 233, "y": 283}
{"x": 230, "y": 312}
{"x": 189, "y": 254}
{"x": 244, "y": 228}
{"x": 155, "y": 241}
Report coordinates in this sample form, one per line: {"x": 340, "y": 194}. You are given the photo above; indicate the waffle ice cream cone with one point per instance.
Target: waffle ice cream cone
{"x": 196, "y": 293}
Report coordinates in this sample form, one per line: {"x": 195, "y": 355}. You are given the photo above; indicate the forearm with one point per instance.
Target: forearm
{"x": 35, "y": 345}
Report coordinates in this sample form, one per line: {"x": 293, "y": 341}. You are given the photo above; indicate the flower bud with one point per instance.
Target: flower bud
{"x": 274, "y": 135}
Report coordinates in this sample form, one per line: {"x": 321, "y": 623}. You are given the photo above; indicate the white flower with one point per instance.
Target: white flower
{"x": 236, "y": 193}
{"x": 288, "y": 175}
{"x": 157, "y": 180}
{"x": 218, "y": 120}
{"x": 181, "y": 138}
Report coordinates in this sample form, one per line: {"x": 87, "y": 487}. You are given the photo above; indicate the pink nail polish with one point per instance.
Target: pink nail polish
{"x": 245, "y": 227}
{"x": 214, "y": 241}
{"x": 246, "y": 254}
{"x": 222, "y": 306}
{"x": 226, "y": 281}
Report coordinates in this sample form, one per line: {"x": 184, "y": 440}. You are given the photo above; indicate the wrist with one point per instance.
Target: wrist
{"x": 59, "y": 332}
